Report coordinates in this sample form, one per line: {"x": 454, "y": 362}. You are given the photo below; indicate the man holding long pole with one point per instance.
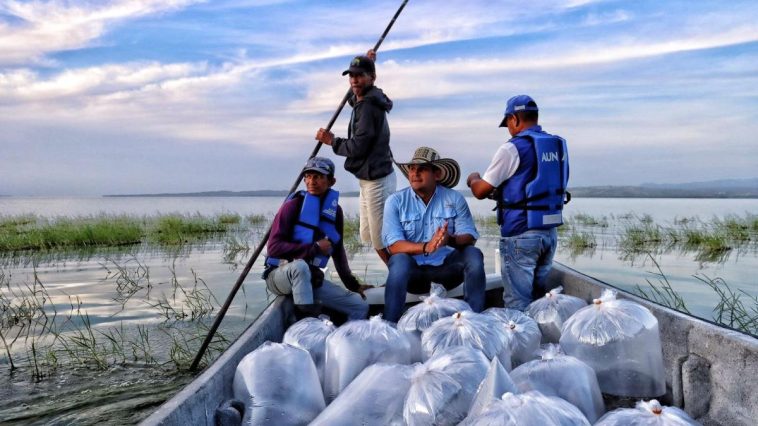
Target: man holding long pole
{"x": 367, "y": 148}
{"x": 257, "y": 252}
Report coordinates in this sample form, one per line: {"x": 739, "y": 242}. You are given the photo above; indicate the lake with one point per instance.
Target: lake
{"x": 154, "y": 293}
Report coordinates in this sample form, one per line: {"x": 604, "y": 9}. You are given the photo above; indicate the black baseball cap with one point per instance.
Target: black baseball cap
{"x": 361, "y": 64}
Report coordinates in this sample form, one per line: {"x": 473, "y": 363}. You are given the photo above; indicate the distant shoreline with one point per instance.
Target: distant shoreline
{"x": 581, "y": 192}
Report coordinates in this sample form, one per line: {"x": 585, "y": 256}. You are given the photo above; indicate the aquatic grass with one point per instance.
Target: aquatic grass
{"x": 180, "y": 229}
{"x": 46, "y": 234}
{"x": 258, "y": 219}
{"x": 731, "y": 309}
{"x": 351, "y": 235}
{"x": 229, "y": 218}
{"x": 588, "y": 220}
{"x": 661, "y": 293}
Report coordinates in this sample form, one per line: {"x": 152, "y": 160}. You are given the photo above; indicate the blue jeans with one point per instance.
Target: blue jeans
{"x": 406, "y": 276}
{"x": 295, "y": 278}
{"x": 526, "y": 261}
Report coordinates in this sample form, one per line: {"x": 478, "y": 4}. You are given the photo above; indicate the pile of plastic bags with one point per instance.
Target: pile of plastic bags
{"x": 362, "y": 372}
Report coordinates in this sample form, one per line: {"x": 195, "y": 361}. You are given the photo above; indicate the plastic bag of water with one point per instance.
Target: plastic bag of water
{"x": 310, "y": 334}
{"x": 356, "y": 345}
{"x": 565, "y": 377}
{"x": 523, "y": 332}
{"x": 375, "y": 398}
{"x": 620, "y": 340}
{"x": 495, "y": 384}
{"x": 552, "y": 310}
{"x": 650, "y": 413}
{"x": 471, "y": 329}
{"x": 443, "y": 388}
{"x": 528, "y": 409}
{"x": 421, "y": 316}
{"x": 279, "y": 385}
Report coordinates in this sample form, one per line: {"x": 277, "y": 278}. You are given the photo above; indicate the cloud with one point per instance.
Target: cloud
{"x": 42, "y": 27}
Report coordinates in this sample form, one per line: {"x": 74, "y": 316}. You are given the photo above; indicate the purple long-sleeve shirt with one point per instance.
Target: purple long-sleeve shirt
{"x": 282, "y": 245}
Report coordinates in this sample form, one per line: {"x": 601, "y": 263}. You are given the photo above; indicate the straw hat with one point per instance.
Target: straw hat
{"x": 451, "y": 172}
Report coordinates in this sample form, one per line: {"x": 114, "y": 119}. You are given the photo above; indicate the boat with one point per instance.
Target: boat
{"x": 711, "y": 371}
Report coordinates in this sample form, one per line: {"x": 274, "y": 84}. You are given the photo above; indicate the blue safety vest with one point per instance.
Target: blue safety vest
{"x": 534, "y": 196}
{"x": 318, "y": 218}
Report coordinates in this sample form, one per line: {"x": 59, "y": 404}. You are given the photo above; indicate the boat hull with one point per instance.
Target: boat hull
{"x": 710, "y": 370}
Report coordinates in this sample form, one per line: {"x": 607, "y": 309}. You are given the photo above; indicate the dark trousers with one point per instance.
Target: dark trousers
{"x": 406, "y": 276}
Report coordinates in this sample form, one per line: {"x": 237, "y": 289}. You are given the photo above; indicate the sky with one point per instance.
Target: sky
{"x": 154, "y": 96}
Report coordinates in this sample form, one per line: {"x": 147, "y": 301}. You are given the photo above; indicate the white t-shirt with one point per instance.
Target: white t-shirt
{"x": 504, "y": 165}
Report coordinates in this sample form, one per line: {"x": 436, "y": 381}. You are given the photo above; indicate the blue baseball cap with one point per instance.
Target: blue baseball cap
{"x": 516, "y": 104}
{"x": 321, "y": 165}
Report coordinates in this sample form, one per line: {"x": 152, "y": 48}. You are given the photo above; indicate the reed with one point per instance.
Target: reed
{"x": 588, "y": 220}
{"x": 662, "y": 292}
{"x": 21, "y": 233}
{"x": 180, "y": 229}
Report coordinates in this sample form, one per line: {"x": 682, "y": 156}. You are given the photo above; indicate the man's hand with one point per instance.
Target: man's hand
{"x": 473, "y": 176}
{"x": 324, "y": 136}
{"x": 371, "y": 54}
{"x": 324, "y": 246}
{"x": 439, "y": 239}
{"x": 362, "y": 288}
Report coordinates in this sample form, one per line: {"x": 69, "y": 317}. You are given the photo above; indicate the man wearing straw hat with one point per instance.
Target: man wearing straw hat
{"x": 527, "y": 177}
{"x": 430, "y": 234}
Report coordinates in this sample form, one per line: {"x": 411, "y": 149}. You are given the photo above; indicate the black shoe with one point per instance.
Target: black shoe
{"x": 307, "y": 311}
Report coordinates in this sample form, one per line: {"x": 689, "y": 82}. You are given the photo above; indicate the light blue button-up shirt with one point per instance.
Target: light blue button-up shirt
{"x": 406, "y": 217}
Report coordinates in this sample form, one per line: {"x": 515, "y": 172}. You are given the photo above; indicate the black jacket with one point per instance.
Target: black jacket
{"x": 367, "y": 146}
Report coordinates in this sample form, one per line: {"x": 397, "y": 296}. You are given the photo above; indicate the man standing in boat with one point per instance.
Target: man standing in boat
{"x": 430, "y": 234}
{"x": 527, "y": 177}
{"x": 306, "y": 232}
{"x": 367, "y": 148}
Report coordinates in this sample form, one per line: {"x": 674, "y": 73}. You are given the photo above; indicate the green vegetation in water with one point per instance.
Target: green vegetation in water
{"x": 737, "y": 310}
{"x": 19, "y": 233}
{"x": 39, "y": 339}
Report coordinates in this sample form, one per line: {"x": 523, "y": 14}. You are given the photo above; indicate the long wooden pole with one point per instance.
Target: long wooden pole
{"x": 257, "y": 252}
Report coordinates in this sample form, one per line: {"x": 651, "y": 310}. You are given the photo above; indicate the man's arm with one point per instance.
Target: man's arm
{"x": 480, "y": 188}
{"x": 364, "y": 136}
{"x": 339, "y": 256}
{"x": 465, "y": 228}
{"x": 280, "y": 244}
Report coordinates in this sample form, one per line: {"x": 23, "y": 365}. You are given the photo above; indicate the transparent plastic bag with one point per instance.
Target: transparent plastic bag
{"x": 310, "y": 334}
{"x": 650, "y": 413}
{"x": 421, "y": 316}
{"x": 551, "y": 310}
{"x": 375, "y": 398}
{"x": 443, "y": 387}
{"x": 528, "y": 409}
{"x": 279, "y": 385}
{"x": 524, "y": 333}
{"x": 620, "y": 340}
{"x": 471, "y": 329}
{"x": 495, "y": 384}
{"x": 565, "y": 377}
{"x": 356, "y": 345}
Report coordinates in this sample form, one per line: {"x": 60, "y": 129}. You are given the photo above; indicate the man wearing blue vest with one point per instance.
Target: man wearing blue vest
{"x": 527, "y": 177}
{"x": 306, "y": 232}
{"x": 430, "y": 234}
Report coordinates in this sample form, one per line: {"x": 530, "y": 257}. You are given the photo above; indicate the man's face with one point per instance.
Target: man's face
{"x": 359, "y": 82}
{"x": 423, "y": 177}
{"x": 316, "y": 183}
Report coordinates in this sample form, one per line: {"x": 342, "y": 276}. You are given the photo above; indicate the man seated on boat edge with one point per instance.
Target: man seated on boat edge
{"x": 430, "y": 234}
{"x": 306, "y": 231}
